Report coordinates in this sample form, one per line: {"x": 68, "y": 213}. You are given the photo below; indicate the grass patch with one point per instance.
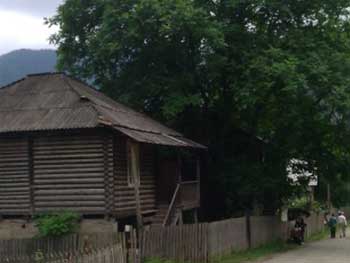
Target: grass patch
{"x": 267, "y": 250}
{"x": 158, "y": 260}
{"x": 254, "y": 254}
{"x": 318, "y": 236}
{"x": 257, "y": 253}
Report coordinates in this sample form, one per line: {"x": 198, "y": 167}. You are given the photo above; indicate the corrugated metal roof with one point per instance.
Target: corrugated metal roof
{"x": 55, "y": 101}
{"x": 161, "y": 139}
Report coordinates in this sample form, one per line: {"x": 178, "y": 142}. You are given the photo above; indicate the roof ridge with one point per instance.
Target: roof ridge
{"x": 102, "y": 118}
{"x": 112, "y": 107}
{"x": 43, "y": 109}
{"x": 12, "y": 83}
{"x": 32, "y": 75}
{"x": 47, "y": 73}
{"x": 92, "y": 104}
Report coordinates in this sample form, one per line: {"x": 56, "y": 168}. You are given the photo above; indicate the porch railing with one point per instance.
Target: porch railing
{"x": 186, "y": 196}
{"x": 172, "y": 207}
{"x": 189, "y": 194}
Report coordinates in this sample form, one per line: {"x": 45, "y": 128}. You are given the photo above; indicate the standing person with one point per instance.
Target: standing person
{"x": 332, "y": 223}
{"x": 342, "y": 222}
{"x": 300, "y": 224}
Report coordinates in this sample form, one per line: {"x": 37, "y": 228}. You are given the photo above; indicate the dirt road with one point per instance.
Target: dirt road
{"x": 325, "y": 251}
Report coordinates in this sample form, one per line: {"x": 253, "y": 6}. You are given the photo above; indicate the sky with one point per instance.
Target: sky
{"x": 22, "y": 24}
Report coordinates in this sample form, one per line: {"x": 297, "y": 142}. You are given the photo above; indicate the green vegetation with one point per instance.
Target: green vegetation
{"x": 223, "y": 73}
{"x": 266, "y": 250}
{"x": 257, "y": 253}
{"x": 158, "y": 260}
{"x": 319, "y": 236}
{"x": 254, "y": 254}
{"x": 56, "y": 224}
{"x": 304, "y": 203}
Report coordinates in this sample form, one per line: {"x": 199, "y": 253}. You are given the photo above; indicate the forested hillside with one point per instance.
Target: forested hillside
{"x": 18, "y": 63}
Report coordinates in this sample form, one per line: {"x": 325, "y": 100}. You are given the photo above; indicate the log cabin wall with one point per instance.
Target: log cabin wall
{"x": 14, "y": 176}
{"x": 69, "y": 173}
{"x": 124, "y": 193}
{"x": 84, "y": 172}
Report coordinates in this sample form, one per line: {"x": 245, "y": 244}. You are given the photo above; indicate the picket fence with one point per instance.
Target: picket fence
{"x": 207, "y": 241}
{"x": 50, "y": 248}
{"x": 184, "y": 243}
{"x": 113, "y": 254}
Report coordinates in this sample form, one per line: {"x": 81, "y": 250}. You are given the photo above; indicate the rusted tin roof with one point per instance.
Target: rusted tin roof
{"x": 55, "y": 101}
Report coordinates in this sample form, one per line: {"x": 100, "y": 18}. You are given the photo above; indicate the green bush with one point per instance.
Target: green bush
{"x": 56, "y": 224}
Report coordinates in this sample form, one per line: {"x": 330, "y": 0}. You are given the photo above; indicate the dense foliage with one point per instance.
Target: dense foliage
{"x": 17, "y": 64}
{"x": 56, "y": 224}
{"x": 276, "y": 69}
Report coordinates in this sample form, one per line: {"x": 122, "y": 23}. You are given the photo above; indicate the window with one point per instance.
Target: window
{"x": 133, "y": 163}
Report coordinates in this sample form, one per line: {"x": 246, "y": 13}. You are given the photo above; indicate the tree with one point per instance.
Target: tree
{"x": 273, "y": 68}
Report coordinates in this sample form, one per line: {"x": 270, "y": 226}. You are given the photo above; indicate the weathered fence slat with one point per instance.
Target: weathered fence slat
{"x": 184, "y": 243}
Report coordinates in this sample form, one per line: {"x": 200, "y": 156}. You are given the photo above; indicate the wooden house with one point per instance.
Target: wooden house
{"x": 66, "y": 146}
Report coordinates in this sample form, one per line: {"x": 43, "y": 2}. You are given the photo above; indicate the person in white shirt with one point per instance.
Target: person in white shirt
{"x": 342, "y": 223}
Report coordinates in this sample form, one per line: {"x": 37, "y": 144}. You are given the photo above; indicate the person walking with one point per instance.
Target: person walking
{"x": 332, "y": 223}
{"x": 342, "y": 222}
{"x": 300, "y": 225}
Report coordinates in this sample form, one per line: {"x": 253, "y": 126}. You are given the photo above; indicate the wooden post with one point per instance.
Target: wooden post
{"x": 135, "y": 173}
{"x": 198, "y": 176}
{"x": 195, "y": 215}
{"x": 248, "y": 228}
{"x": 312, "y": 194}
{"x": 329, "y": 202}
{"x": 179, "y": 167}
{"x": 179, "y": 177}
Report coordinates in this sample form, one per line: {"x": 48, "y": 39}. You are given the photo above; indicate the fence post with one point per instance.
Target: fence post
{"x": 248, "y": 228}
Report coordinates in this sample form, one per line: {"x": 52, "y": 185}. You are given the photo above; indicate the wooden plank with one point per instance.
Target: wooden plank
{"x": 69, "y": 203}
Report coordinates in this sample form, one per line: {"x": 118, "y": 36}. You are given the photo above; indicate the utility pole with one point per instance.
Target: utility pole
{"x": 329, "y": 202}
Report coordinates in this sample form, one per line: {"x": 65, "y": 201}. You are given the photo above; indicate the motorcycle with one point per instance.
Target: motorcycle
{"x": 297, "y": 235}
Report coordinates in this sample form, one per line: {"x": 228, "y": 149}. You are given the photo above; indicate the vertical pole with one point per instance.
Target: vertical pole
{"x": 195, "y": 215}
{"x": 135, "y": 170}
{"x": 179, "y": 168}
{"x": 134, "y": 148}
{"x": 312, "y": 197}
{"x": 179, "y": 177}
{"x": 329, "y": 202}
{"x": 248, "y": 228}
{"x": 198, "y": 176}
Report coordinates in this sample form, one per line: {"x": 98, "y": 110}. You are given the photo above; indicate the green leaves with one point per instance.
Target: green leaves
{"x": 56, "y": 224}
{"x": 278, "y": 69}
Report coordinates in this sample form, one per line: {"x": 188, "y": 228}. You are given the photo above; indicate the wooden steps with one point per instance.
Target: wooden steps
{"x": 157, "y": 219}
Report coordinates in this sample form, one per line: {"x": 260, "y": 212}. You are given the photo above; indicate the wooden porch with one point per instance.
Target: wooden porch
{"x": 178, "y": 190}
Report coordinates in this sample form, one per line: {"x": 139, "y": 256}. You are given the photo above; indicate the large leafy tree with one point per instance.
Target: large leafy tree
{"x": 279, "y": 69}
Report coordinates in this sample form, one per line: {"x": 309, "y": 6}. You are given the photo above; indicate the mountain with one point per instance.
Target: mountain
{"x": 17, "y": 64}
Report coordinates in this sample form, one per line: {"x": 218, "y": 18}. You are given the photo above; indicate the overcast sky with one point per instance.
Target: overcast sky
{"x": 22, "y": 24}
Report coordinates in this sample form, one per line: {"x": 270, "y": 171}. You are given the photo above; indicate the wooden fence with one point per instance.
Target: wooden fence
{"x": 203, "y": 242}
{"x": 186, "y": 243}
{"x": 27, "y": 248}
{"x": 227, "y": 235}
{"x": 114, "y": 254}
{"x": 180, "y": 243}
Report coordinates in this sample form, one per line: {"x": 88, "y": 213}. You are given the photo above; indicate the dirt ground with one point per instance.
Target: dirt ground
{"x": 325, "y": 251}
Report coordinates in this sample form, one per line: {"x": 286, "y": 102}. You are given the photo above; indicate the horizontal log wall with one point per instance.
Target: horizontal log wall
{"x": 124, "y": 193}
{"x": 69, "y": 173}
{"x": 14, "y": 176}
{"x": 86, "y": 173}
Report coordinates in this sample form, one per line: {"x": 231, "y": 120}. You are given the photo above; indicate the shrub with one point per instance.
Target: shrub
{"x": 56, "y": 224}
